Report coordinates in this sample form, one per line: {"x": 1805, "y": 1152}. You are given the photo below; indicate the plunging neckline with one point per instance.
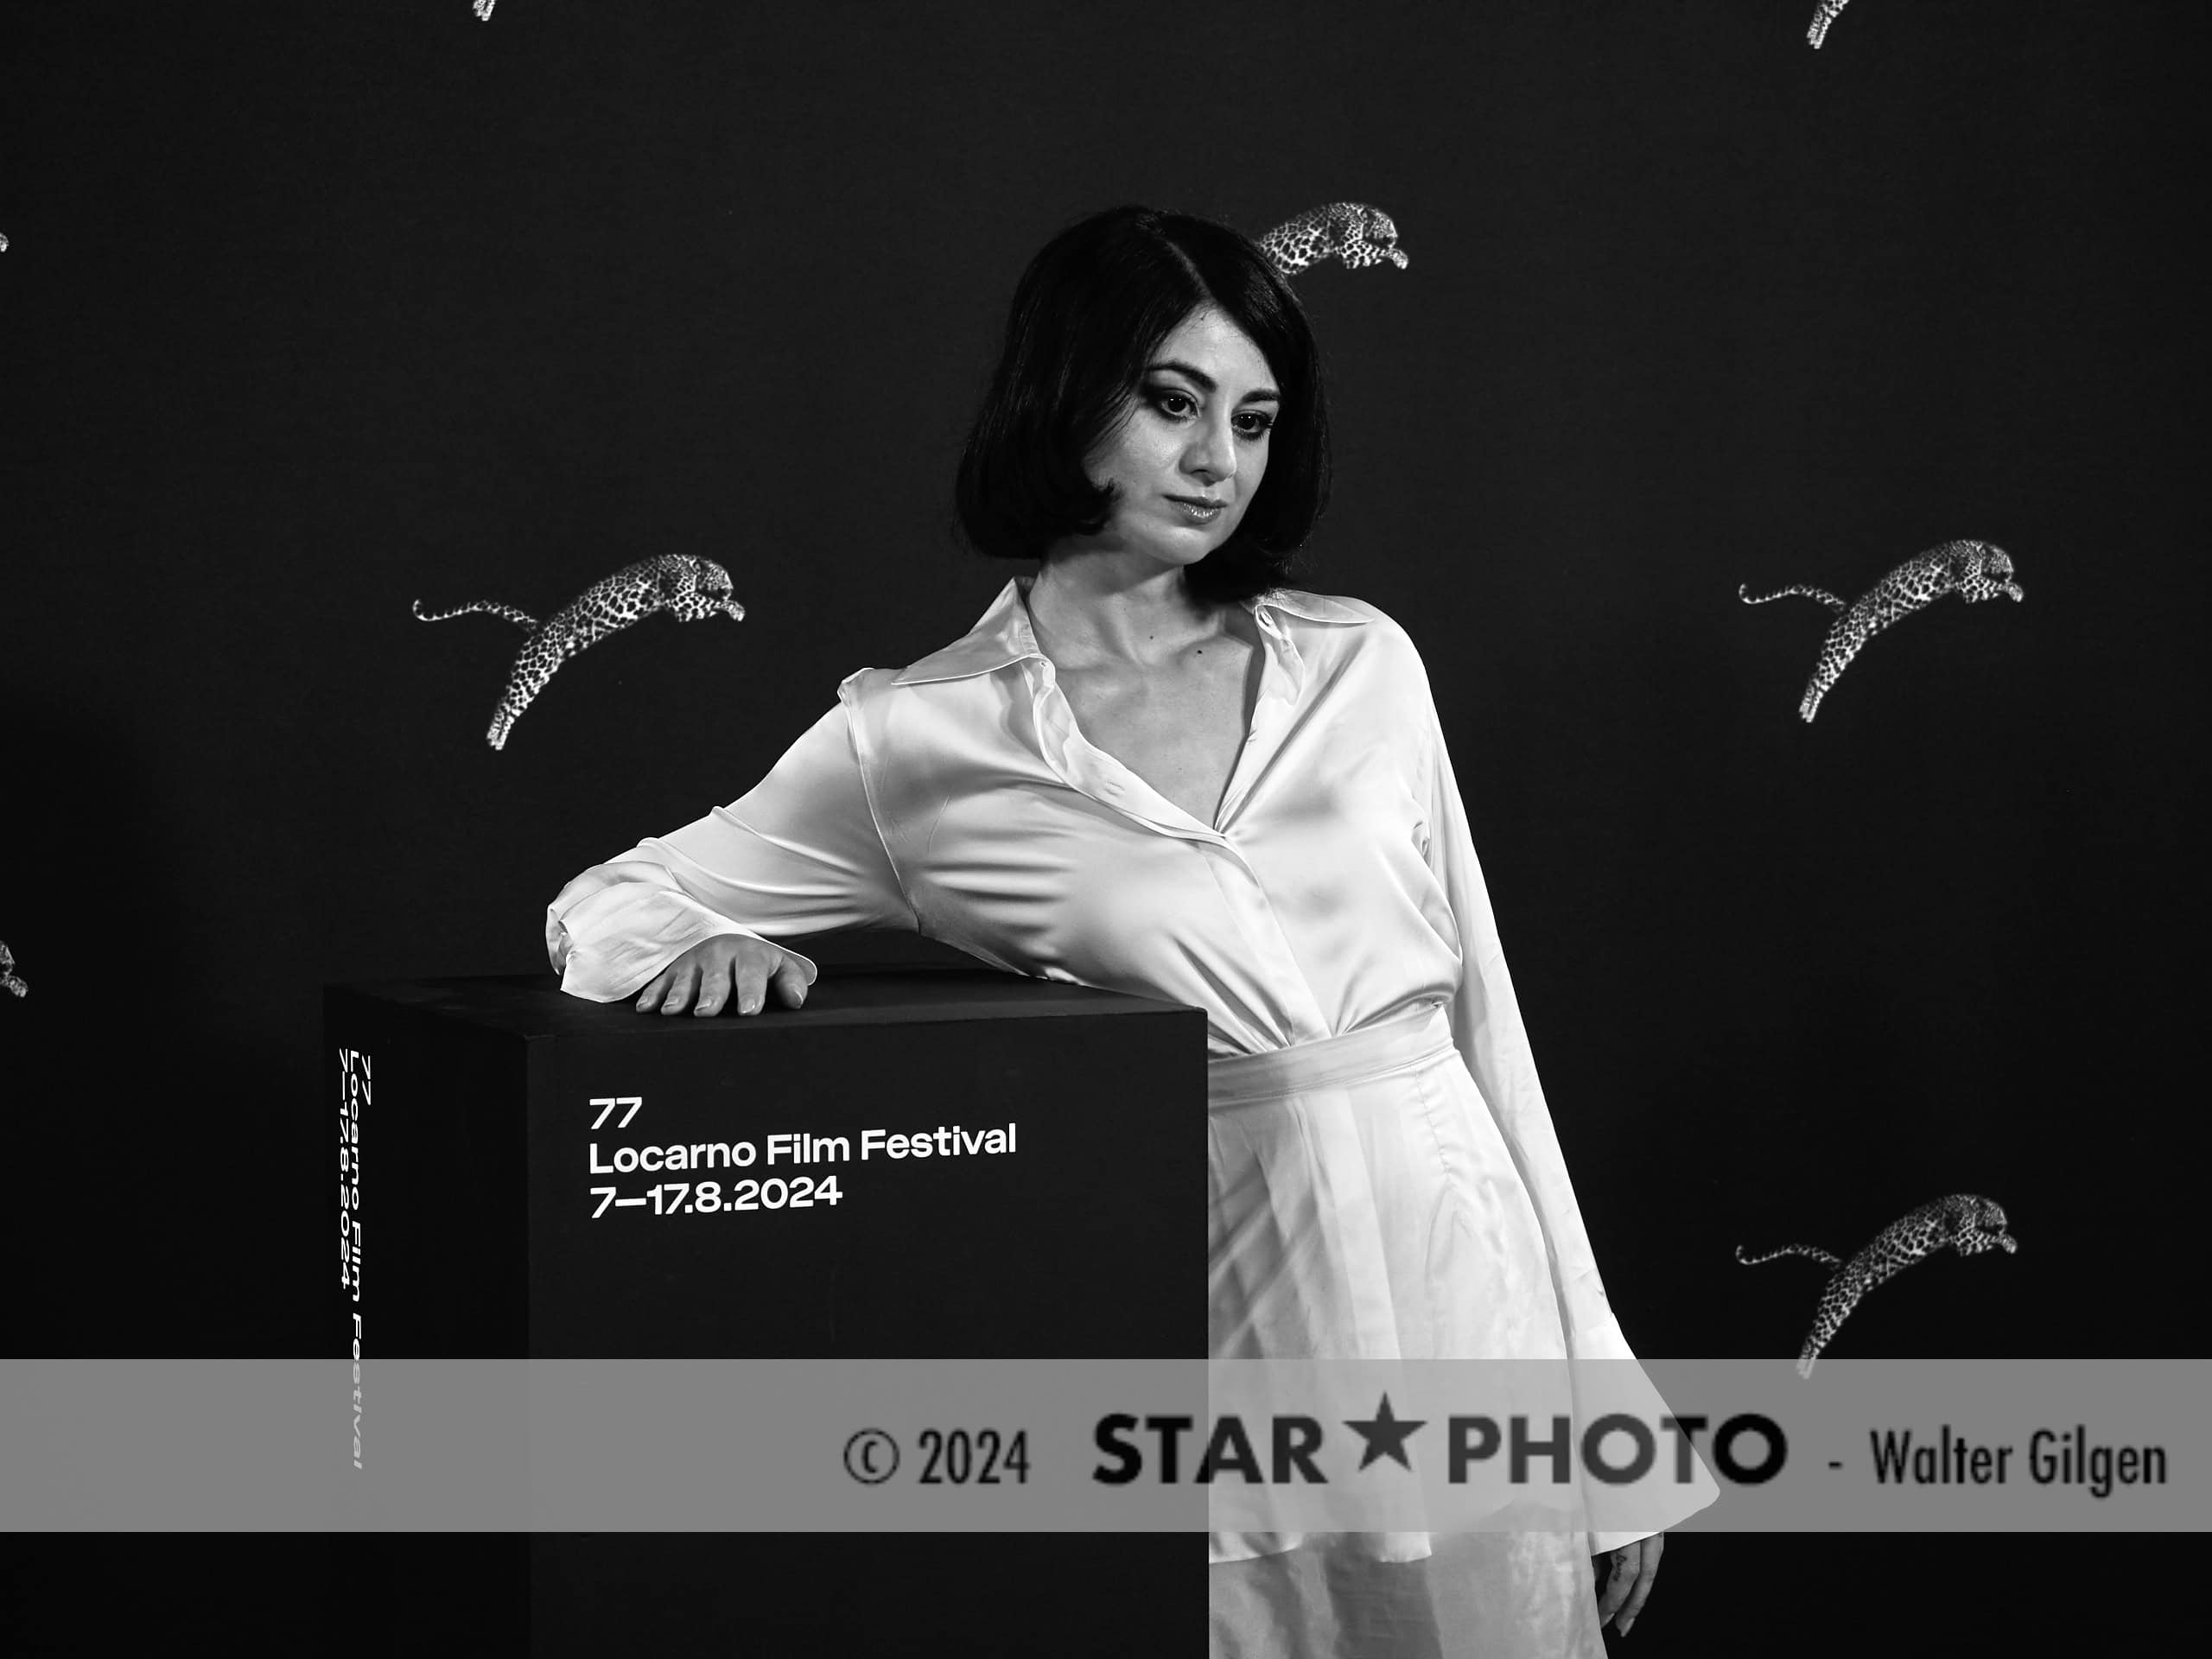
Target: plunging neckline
{"x": 1255, "y": 675}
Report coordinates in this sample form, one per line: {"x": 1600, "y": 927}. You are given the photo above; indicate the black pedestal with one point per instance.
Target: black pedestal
{"x": 526, "y": 1173}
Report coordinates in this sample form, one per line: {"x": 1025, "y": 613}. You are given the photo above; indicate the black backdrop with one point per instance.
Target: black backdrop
{"x": 313, "y": 311}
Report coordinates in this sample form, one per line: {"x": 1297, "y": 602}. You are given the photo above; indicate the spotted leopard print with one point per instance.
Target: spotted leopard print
{"x": 1359, "y": 235}
{"x": 9, "y": 982}
{"x": 1969, "y": 1224}
{"x": 1974, "y": 570}
{"x": 691, "y": 590}
{"x": 1829, "y": 11}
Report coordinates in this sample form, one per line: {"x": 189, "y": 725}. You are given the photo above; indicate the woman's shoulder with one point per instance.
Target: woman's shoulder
{"x": 1362, "y": 645}
{"x": 1366, "y": 625}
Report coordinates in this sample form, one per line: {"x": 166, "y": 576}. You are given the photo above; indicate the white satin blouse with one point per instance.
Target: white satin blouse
{"x": 959, "y": 797}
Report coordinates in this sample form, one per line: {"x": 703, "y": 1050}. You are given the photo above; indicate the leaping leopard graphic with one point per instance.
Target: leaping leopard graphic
{"x": 1350, "y": 231}
{"x": 9, "y": 982}
{"x": 689, "y": 589}
{"x": 1969, "y": 1224}
{"x": 1974, "y": 570}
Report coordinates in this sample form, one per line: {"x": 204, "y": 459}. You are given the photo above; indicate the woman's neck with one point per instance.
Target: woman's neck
{"x": 1089, "y": 609}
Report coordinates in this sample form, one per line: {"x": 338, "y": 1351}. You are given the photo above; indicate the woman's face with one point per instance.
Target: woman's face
{"x": 1187, "y": 460}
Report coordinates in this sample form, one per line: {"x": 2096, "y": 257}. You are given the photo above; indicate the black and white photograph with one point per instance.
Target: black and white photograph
{"x": 1539, "y": 658}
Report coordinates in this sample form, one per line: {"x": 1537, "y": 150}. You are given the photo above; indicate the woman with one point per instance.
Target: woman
{"x": 1152, "y": 768}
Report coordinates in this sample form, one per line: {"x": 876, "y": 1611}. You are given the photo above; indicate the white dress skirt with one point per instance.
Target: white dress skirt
{"x": 1363, "y": 1204}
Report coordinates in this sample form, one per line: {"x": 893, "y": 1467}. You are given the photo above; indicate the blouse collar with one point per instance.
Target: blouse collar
{"x": 1002, "y": 635}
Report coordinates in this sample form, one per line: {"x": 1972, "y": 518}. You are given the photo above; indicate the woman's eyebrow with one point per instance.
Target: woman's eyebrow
{"x": 1206, "y": 382}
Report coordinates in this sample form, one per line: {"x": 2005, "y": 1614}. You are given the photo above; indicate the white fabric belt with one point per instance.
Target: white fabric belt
{"x": 1403, "y": 1042}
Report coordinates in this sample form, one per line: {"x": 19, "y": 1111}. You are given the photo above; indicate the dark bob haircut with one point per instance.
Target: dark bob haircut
{"x": 1089, "y": 313}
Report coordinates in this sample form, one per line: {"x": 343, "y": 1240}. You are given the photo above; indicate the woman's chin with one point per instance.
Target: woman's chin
{"x": 1188, "y": 543}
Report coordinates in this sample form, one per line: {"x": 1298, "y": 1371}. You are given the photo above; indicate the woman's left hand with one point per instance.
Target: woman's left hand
{"x": 1630, "y": 1572}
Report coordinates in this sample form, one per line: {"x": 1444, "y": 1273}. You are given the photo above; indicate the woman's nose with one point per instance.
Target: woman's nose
{"x": 1213, "y": 454}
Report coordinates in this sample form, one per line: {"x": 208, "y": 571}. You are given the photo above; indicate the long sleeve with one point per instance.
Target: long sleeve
{"x": 1486, "y": 1028}
{"x": 799, "y": 853}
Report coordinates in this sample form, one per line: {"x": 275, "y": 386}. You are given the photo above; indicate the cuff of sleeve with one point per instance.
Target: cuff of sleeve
{"x": 1600, "y": 1542}
{"x": 604, "y": 959}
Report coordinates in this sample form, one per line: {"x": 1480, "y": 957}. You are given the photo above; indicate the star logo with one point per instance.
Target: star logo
{"x": 1385, "y": 1435}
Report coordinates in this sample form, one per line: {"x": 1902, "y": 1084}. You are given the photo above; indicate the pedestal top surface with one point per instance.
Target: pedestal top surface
{"x": 534, "y": 1005}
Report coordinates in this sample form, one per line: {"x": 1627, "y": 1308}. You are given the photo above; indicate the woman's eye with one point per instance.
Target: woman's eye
{"x": 1256, "y": 425}
{"x": 1171, "y": 402}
